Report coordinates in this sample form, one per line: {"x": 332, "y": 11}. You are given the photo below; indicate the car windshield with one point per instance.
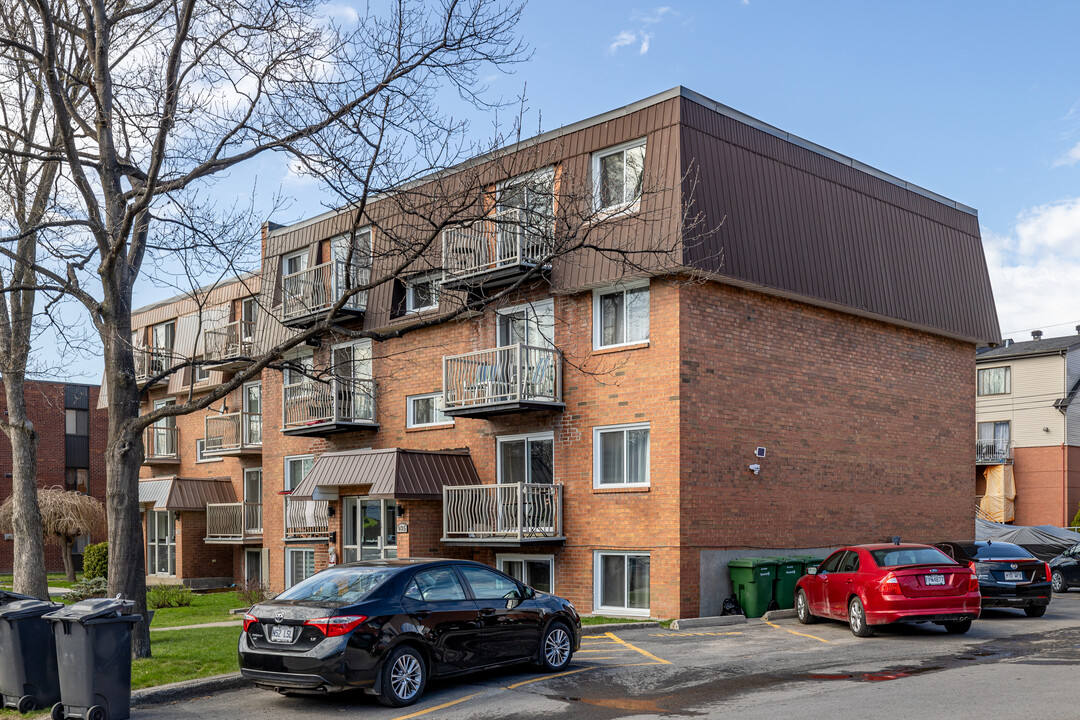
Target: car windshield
{"x": 893, "y": 557}
{"x": 346, "y": 585}
{"x": 997, "y": 551}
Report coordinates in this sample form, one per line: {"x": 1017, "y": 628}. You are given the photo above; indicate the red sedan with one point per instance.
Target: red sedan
{"x": 869, "y": 585}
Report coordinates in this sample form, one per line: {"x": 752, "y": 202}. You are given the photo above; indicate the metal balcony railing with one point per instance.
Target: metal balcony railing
{"x": 306, "y": 518}
{"x": 232, "y": 431}
{"x": 507, "y": 239}
{"x": 233, "y": 521}
{"x": 235, "y": 340}
{"x": 510, "y": 512}
{"x": 161, "y": 442}
{"x": 315, "y": 290}
{"x": 993, "y": 452}
{"x": 151, "y": 362}
{"x": 314, "y": 402}
{"x": 515, "y": 373}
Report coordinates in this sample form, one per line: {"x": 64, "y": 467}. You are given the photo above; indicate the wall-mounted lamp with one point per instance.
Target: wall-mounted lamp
{"x": 400, "y": 510}
{"x": 330, "y": 511}
{"x": 756, "y": 469}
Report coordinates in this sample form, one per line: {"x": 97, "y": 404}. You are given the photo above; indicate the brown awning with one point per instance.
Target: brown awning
{"x": 392, "y": 473}
{"x": 185, "y": 494}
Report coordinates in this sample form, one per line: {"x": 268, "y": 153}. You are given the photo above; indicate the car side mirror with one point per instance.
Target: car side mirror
{"x": 812, "y": 570}
{"x": 529, "y": 593}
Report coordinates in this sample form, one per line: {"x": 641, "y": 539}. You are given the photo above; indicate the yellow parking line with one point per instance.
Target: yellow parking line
{"x": 646, "y": 653}
{"x": 437, "y": 707}
{"x": 599, "y": 650}
{"x": 600, "y": 642}
{"x": 693, "y": 634}
{"x": 812, "y": 637}
{"x": 546, "y": 677}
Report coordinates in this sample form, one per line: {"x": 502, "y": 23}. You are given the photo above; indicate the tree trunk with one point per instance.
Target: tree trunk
{"x": 69, "y": 563}
{"x": 29, "y": 562}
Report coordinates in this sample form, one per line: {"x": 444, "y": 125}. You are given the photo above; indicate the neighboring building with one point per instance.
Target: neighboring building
{"x": 1028, "y": 423}
{"x": 72, "y": 434}
{"x": 593, "y": 434}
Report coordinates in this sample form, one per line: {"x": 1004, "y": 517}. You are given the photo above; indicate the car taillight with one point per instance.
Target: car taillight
{"x": 890, "y": 585}
{"x": 973, "y": 579}
{"x": 334, "y": 626}
{"x": 1046, "y": 567}
{"x": 248, "y": 620}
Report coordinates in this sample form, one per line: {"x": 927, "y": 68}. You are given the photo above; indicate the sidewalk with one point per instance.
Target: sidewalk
{"x": 223, "y": 623}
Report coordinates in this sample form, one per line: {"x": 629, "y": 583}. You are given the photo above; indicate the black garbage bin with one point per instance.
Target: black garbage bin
{"x": 28, "y": 679}
{"x": 93, "y": 653}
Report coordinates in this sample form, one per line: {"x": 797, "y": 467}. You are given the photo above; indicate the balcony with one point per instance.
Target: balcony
{"x": 238, "y": 433}
{"x": 231, "y": 346}
{"x": 503, "y": 514}
{"x": 161, "y": 445}
{"x": 306, "y": 519}
{"x": 153, "y": 361}
{"x": 495, "y": 250}
{"x": 993, "y": 452}
{"x": 515, "y": 378}
{"x": 313, "y": 407}
{"x": 308, "y": 295}
{"x": 235, "y": 523}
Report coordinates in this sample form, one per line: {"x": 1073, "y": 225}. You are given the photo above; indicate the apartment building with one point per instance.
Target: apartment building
{"x": 760, "y": 344}
{"x": 72, "y": 434}
{"x": 1028, "y": 430}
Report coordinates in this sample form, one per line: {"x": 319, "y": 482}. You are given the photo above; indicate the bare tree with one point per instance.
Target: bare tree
{"x": 66, "y": 515}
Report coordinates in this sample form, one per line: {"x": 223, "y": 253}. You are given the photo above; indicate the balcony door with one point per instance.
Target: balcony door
{"x": 532, "y": 325}
{"x": 352, "y": 371}
{"x": 525, "y": 211}
{"x": 164, "y": 431}
{"x": 369, "y": 529}
{"x": 253, "y": 501}
{"x": 252, "y": 416}
{"x": 994, "y": 439}
{"x": 528, "y": 459}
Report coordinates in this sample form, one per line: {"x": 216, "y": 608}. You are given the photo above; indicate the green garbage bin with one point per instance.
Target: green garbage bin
{"x": 808, "y": 561}
{"x": 788, "y": 572}
{"x": 752, "y": 579}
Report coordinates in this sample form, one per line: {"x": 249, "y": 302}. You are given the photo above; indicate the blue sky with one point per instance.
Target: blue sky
{"x": 978, "y": 101}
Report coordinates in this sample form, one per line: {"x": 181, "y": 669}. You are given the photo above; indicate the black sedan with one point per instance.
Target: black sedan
{"x": 388, "y": 626}
{"x": 1009, "y": 576}
{"x": 1065, "y": 569}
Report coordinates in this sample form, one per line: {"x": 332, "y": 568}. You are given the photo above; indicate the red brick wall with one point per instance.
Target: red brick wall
{"x": 1044, "y": 494}
{"x": 195, "y": 558}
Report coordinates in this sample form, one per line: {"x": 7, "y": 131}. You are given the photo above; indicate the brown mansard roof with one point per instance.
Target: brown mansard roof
{"x": 392, "y": 473}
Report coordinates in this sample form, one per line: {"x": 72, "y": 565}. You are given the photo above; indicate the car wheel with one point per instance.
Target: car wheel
{"x": 404, "y": 676}
{"x": 802, "y": 608}
{"x": 857, "y": 619}
{"x": 957, "y": 627}
{"x": 556, "y": 648}
{"x": 1057, "y": 582}
{"x": 1035, "y": 610}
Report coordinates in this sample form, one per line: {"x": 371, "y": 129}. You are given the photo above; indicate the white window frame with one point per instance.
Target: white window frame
{"x": 532, "y": 318}
{"x": 410, "y": 421}
{"x": 598, "y": 576}
{"x": 597, "y": 322}
{"x": 527, "y": 437}
{"x": 549, "y": 559}
{"x": 598, "y": 456}
{"x": 200, "y": 449}
{"x": 297, "y": 358}
{"x": 625, "y": 206}
{"x": 435, "y": 278}
{"x": 199, "y": 370}
{"x": 1008, "y": 380}
{"x": 289, "y": 256}
{"x": 339, "y": 247}
{"x": 289, "y": 579}
{"x": 286, "y": 476}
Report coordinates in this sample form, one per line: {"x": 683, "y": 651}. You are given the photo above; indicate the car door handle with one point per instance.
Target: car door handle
{"x": 487, "y": 611}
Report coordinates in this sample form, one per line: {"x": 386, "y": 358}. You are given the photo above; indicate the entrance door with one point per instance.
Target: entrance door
{"x": 369, "y": 532}
{"x": 253, "y": 570}
{"x": 161, "y": 542}
{"x": 252, "y": 417}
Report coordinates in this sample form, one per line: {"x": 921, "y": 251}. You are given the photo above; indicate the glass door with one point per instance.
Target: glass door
{"x": 161, "y": 542}
{"x": 253, "y": 565}
{"x": 369, "y": 529}
{"x": 252, "y": 417}
{"x": 532, "y": 325}
{"x": 253, "y": 501}
{"x": 164, "y": 431}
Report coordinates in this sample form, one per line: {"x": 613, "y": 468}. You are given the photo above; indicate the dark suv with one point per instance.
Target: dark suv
{"x": 1009, "y": 576}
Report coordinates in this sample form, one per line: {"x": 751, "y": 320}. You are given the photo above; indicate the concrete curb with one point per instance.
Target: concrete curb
{"x": 612, "y": 627}
{"x": 779, "y": 615}
{"x": 187, "y": 689}
{"x": 715, "y": 621}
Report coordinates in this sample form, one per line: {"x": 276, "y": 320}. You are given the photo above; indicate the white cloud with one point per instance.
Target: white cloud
{"x": 624, "y": 38}
{"x": 1033, "y": 269}
{"x": 652, "y": 17}
{"x": 644, "y": 34}
{"x": 645, "y": 37}
{"x": 1069, "y": 158}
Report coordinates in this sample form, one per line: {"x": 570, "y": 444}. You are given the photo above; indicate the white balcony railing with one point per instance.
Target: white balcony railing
{"x": 515, "y": 373}
{"x": 316, "y": 290}
{"x": 510, "y": 512}
{"x": 314, "y": 402}
{"x": 507, "y": 239}
{"x": 232, "y": 431}
{"x": 993, "y": 451}
{"x": 153, "y": 361}
{"x": 161, "y": 442}
{"x": 233, "y": 521}
{"x": 306, "y": 518}
{"x": 235, "y": 340}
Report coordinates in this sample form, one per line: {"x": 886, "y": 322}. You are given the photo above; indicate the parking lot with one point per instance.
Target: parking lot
{"x": 1007, "y": 665}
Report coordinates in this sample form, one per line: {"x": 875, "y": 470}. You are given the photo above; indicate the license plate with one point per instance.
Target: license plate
{"x": 281, "y": 633}
{"x": 934, "y": 579}
{"x": 1017, "y": 575}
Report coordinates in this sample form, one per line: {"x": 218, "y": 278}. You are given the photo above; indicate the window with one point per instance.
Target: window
{"x": 369, "y": 529}
{"x": 532, "y": 325}
{"x": 77, "y": 422}
{"x": 621, "y": 582}
{"x": 202, "y": 374}
{"x": 617, "y": 174}
{"x": 621, "y": 455}
{"x": 995, "y": 381}
{"x": 832, "y": 563}
{"x": 488, "y": 584}
{"x": 299, "y": 565}
{"x": 435, "y": 585}
{"x": 527, "y": 459}
{"x": 358, "y": 252}
{"x": 296, "y": 467}
{"x": 161, "y": 542}
{"x": 77, "y": 479}
{"x": 621, "y": 316}
{"x": 536, "y": 571}
{"x": 996, "y": 432}
{"x": 850, "y": 563}
{"x": 426, "y": 410}
{"x": 298, "y": 369}
{"x": 294, "y": 262}
{"x": 422, "y": 293}
{"x": 200, "y": 452}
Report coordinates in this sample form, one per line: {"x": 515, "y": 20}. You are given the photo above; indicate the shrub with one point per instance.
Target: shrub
{"x": 253, "y": 592}
{"x": 96, "y": 561}
{"x": 166, "y": 596}
{"x": 87, "y": 588}
{"x": 1076, "y": 518}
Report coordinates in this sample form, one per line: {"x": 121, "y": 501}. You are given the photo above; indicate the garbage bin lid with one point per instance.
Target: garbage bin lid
{"x": 31, "y": 607}
{"x": 7, "y": 597}
{"x": 752, "y": 562}
{"x": 96, "y": 609}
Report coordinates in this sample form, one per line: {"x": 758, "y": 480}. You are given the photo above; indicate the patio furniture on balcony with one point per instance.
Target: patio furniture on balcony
{"x": 494, "y": 250}
{"x": 229, "y": 347}
{"x": 503, "y": 514}
{"x": 306, "y": 519}
{"x": 235, "y": 523}
{"x": 153, "y": 361}
{"x": 237, "y": 433}
{"x": 161, "y": 445}
{"x": 314, "y": 407}
{"x": 993, "y": 452}
{"x": 515, "y": 378}
{"x": 308, "y": 295}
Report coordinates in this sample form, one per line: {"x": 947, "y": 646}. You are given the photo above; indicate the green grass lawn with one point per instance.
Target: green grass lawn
{"x": 55, "y": 580}
{"x": 602, "y": 620}
{"x": 186, "y": 655}
{"x": 212, "y": 607}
